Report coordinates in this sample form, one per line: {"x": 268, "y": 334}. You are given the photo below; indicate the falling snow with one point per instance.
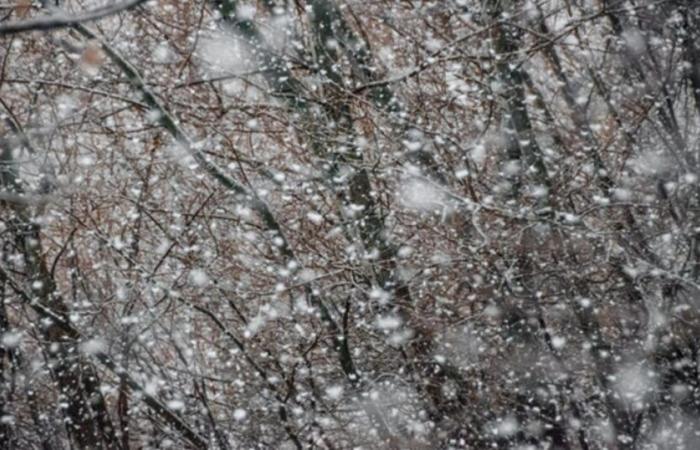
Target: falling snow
{"x": 340, "y": 224}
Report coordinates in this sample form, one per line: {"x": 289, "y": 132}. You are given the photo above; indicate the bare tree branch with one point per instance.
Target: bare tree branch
{"x": 61, "y": 20}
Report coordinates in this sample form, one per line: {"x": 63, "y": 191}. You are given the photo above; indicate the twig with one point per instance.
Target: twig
{"x": 61, "y": 20}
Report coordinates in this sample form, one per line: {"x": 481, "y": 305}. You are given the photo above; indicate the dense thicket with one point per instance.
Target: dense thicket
{"x": 350, "y": 224}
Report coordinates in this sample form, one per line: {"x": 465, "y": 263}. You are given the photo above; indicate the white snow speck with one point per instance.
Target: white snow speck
{"x": 405, "y": 252}
{"x": 93, "y": 346}
{"x": 245, "y": 12}
{"x": 7, "y": 419}
{"x": 162, "y": 53}
{"x": 225, "y": 54}
{"x": 334, "y": 392}
{"x": 307, "y": 275}
{"x": 634, "y": 39}
{"x": 462, "y": 173}
{"x": 421, "y": 195}
{"x": 622, "y": 195}
{"x": 176, "y": 405}
{"x": 558, "y": 342}
{"x": 506, "y": 427}
{"x": 199, "y": 277}
{"x": 11, "y": 340}
{"x": 388, "y": 322}
{"x": 315, "y": 218}
{"x": 478, "y": 154}
{"x": 240, "y": 414}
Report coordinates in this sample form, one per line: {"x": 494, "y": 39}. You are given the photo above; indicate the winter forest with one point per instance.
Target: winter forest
{"x": 350, "y": 224}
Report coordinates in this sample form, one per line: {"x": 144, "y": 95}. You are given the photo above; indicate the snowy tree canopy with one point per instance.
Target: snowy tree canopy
{"x": 350, "y": 224}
